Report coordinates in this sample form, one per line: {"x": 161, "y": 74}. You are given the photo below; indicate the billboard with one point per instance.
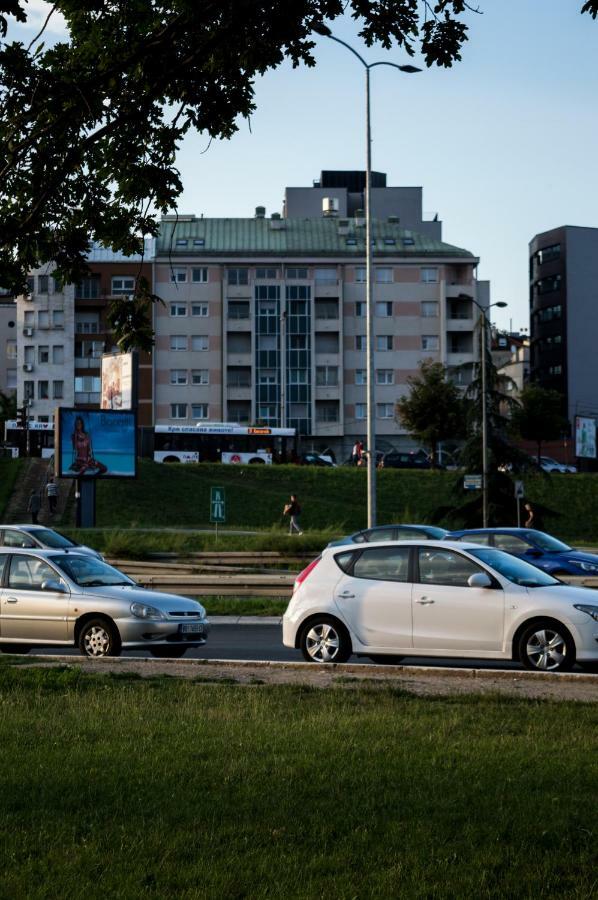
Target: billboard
{"x": 585, "y": 437}
{"x": 96, "y": 444}
{"x": 117, "y": 381}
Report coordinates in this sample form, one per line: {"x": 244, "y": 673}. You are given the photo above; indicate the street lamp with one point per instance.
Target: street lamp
{"x": 369, "y": 306}
{"x": 501, "y": 305}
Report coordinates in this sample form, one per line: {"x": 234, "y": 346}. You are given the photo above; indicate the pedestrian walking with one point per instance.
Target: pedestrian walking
{"x": 293, "y": 510}
{"x": 534, "y": 519}
{"x": 357, "y": 453}
{"x": 34, "y": 505}
{"x": 52, "y": 495}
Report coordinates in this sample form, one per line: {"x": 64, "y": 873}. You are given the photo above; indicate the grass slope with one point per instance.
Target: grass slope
{"x": 9, "y": 469}
{"x": 123, "y": 788}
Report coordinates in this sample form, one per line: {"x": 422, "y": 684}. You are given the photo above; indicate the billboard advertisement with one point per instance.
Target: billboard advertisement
{"x": 117, "y": 381}
{"x": 585, "y": 437}
{"x": 96, "y": 444}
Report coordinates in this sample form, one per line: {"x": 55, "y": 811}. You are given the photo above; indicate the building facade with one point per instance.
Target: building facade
{"x": 8, "y": 344}
{"x": 564, "y": 316}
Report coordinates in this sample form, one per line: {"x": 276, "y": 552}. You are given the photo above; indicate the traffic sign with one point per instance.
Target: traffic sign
{"x": 472, "y": 482}
{"x": 217, "y": 505}
{"x": 519, "y": 491}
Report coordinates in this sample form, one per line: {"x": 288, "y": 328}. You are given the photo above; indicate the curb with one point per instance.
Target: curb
{"x": 245, "y": 620}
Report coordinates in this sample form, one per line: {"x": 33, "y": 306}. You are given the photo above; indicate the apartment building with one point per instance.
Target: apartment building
{"x": 564, "y": 316}
{"x": 8, "y": 344}
{"x": 264, "y": 318}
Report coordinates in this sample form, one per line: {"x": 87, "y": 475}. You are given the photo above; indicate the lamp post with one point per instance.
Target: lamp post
{"x": 484, "y": 322}
{"x": 369, "y": 306}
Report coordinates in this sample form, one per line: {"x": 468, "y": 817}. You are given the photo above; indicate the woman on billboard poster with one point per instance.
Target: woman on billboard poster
{"x": 84, "y": 462}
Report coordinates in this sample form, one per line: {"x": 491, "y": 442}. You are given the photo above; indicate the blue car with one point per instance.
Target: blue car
{"x": 538, "y": 548}
{"x": 393, "y": 533}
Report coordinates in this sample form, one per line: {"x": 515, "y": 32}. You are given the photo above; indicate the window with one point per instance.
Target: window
{"x": 199, "y": 276}
{"x": 351, "y": 242}
{"x": 43, "y": 319}
{"x": 238, "y": 276}
{"x": 43, "y": 390}
{"x": 326, "y": 411}
{"x": 297, "y": 376}
{"x": 88, "y": 288}
{"x": 268, "y": 341}
{"x": 383, "y": 564}
{"x": 299, "y": 342}
{"x": 178, "y": 341}
{"x": 384, "y": 342}
{"x": 438, "y": 566}
{"x": 30, "y": 284}
{"x": 200, "y": 342}
{"x": 547, "y": 254}
{"x": 325, "y": 309}
{"x": 199, "y": 309}
{"x": 295, "y": 274}
{"x": 326, "y": 376}
{"x": 547, "y": 285}
{"x": 361, "y": 376}
{"x": 29, "y": 319}
{"x": 408, "y": 242}
{"x": 429, "y": 276}
{"x": 122, "y": 285}
{"x": 325, "y": 276}
{"x": 43, "y": 354}
{"x": 360, "y": 275}
{"x": 11, "y": 349}
{"x": 177, "y": 309}
{"x": 266, "y": 274}
{"x": 200, "y": 411}
{"x": 178, "y": 276}
{"x": 178, "y": 410}
{"x": 390, "y": 242}
{"x": 384, "y": 309}
{"x": 181, "y": 242}
{"x": 42, "y": 284}
{"x": 58, "y": 318}
{"x": 430, "y": 342}
{"x": 267, "y": 292}
{"x": 267, "y": 376}
{"x": 178, "y": 376}
{"x": 27, "y": 573}
{"x": 199, "y": 242}
{"x": 511, "y": 543}
{"x": 474, "y": 538}
{"x": 360, "y": 309}
{"x": 57, "y": 390}
{"x": 384, "y": 276}
{"x": 29, "y": 354}
{"x": 11, "y": 378}
{"x": 238, "y": 309}
{"x": 89, "y": 384}
{"x": 430, "y": 309}
{"x": 200, "y": 376}
{"x": 360, "y": 410}
{"x": 385, "y": 376}
{"x": 384, "y": 411}
{"x": 360, "y": 342}
{"x": 89, "y": 349}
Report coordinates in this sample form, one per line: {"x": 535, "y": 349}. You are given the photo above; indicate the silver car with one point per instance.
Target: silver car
{"x": 66, "y": 598}
{"x": 40, "y": 536}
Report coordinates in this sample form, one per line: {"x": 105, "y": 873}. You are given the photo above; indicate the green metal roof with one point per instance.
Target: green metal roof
{"x": 295, "y": 238}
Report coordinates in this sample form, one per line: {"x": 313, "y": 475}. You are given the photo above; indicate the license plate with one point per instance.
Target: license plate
{"x": 192, "y": 628}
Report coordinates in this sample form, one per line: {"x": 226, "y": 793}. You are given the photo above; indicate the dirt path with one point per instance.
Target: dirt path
{"x": 416, "y": 679}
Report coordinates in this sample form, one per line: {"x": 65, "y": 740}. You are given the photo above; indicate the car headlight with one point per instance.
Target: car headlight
{"x": 586, "y": 566}
{"x": 590, "y": 610}
{"x": 142, "y": 611}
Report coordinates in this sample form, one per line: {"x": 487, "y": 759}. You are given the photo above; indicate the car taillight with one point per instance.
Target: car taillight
{"x": 303, "y": 575}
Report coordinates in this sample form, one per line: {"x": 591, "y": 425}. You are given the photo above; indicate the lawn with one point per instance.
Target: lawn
{"x": 9, "y": 469}
{"x": 333, "y": 500}
{"x": 122, "y": 788}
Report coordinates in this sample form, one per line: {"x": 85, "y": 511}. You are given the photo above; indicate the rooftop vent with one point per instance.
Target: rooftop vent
{"x": 276, "y": 222}
{"x": 330, "y": 206}
{"x": 260, "y": 212}
{"x": 343, "y": 226}
{"x": 359, "y": 217}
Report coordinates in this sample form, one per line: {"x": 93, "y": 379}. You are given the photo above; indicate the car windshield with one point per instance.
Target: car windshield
{"x": 516, "y": 570}
{"x": 53, "y": 539}
{"x": 545, "y": 541}
{"x": 87, "y": 571}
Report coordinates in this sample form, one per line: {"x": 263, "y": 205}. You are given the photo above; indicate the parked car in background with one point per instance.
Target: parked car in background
{"x": 413, "y": 459}
{"x": 66, "y": 598}
{"x": 540, "y": 549}
{"x": 315, "y": 459}
{"x": 547, "y": 464}
{"x": 388, "y": 601}
{"x": 39, "y": 536}
{"x": 393, "y": 533}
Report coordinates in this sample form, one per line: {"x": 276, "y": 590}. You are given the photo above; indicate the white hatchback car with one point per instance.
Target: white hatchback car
{"x": 387, "y": 601}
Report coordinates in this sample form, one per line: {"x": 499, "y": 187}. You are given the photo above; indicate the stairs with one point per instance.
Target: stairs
{"x": 34, "y": 477}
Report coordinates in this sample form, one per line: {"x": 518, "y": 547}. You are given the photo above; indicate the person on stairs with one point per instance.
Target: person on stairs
{"x": 34, "y": 505}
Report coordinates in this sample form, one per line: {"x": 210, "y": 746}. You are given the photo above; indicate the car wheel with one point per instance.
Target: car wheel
{"x": 547, "y": 646}
{"x": 162, "y": 652}
{"x": 99, "y": 637}
{"x": 325, "y": 640}
{"x": 386, "y": 660}
{"x": 14, "y": 648}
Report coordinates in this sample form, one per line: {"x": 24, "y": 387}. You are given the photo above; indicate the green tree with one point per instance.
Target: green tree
{"x": 433, "y": 410}
{"x": 8, "y": 408}
{"x": 539, "y": 417}
{"x": 90, "y": 127}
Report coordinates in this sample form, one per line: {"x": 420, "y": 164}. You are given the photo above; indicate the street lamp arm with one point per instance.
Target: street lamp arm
{"x": 409, "y": 69}
{"x": 349, "y": 47}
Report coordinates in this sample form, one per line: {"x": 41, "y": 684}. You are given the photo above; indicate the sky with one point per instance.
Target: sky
{"x": 502, "y": 143}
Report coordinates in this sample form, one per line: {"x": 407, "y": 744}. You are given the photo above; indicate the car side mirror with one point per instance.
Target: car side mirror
{"x": 52, "y": 585}
{"x": 479, "y": 580}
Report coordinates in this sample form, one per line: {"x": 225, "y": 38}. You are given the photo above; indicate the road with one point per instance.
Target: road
{"x": 264, "y": 642}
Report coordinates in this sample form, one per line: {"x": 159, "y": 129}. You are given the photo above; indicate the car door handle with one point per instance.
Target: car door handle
{"x": 12, "y": 600}
{"x": 424, "y": 601}
{"x": 347, "y": 596}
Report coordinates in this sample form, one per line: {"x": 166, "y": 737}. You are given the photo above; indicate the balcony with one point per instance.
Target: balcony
{"x": 326, "y": 289}
{"x": 88, "y": 362}
{"x": 238, "y": 291}
{"x": 234, "y": 358}
{"x": 238, "y": 324}
{"x": 465, "y": 291}
{"x": 459, "y": 359}
{"x": 238, "y": 392}
{"x": 460, "y": 324}
{"x": 327, "y": 392}
{"x": 88, "y": 397}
